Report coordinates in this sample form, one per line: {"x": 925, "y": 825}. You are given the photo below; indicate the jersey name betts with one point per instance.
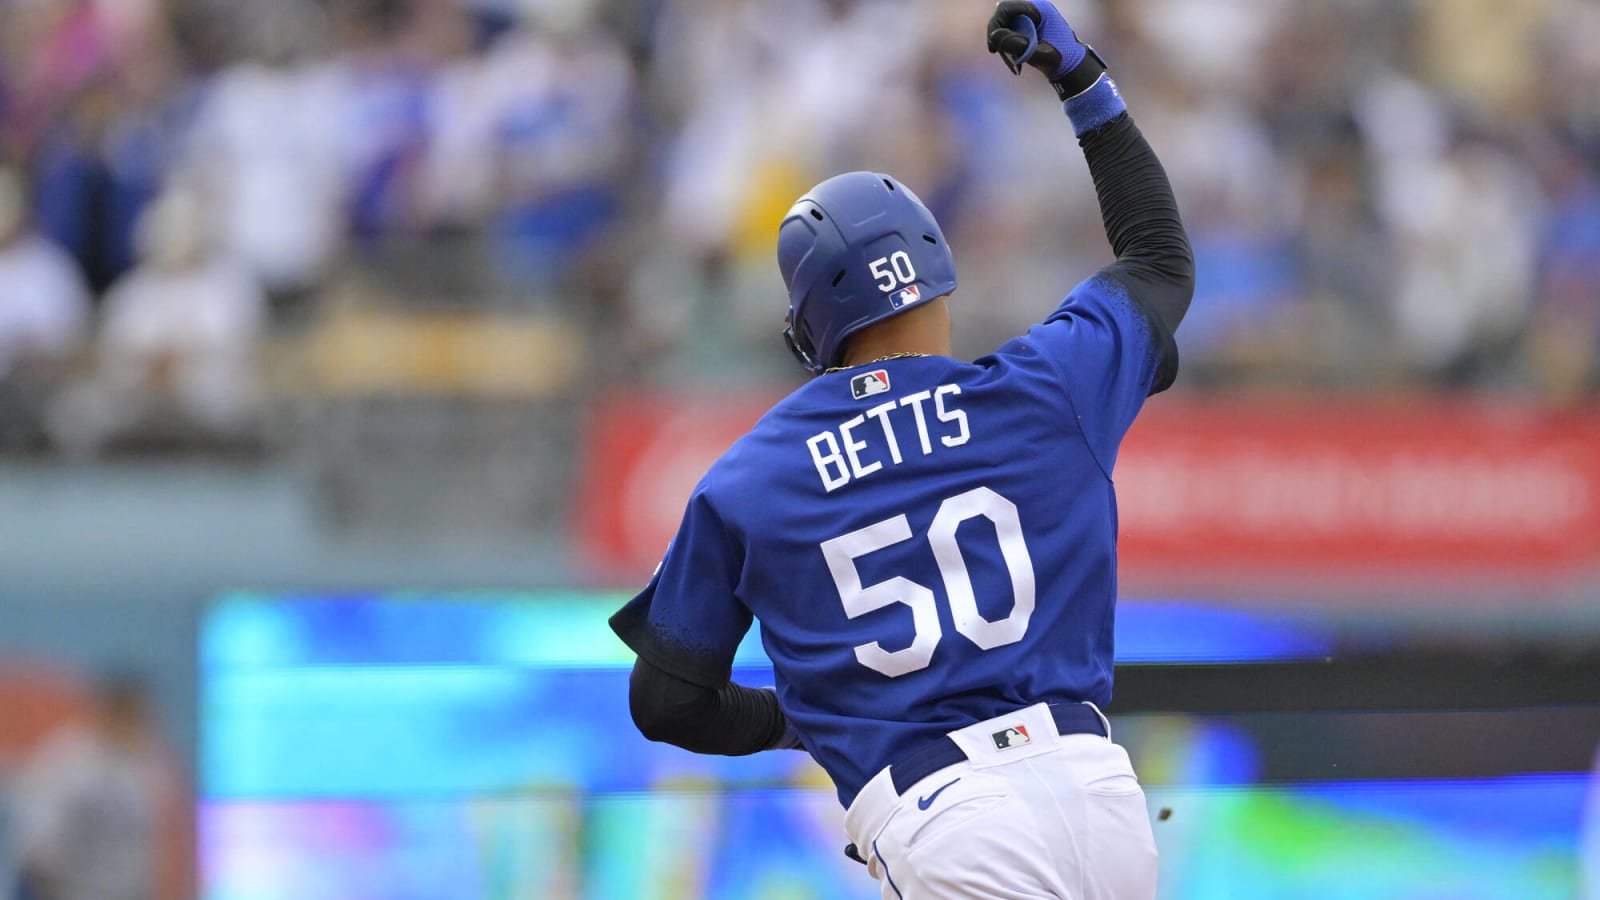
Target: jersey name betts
{"x": 839, "y": 452}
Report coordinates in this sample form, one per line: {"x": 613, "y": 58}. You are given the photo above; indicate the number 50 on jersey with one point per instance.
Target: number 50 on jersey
{"x": 842, "y": 552}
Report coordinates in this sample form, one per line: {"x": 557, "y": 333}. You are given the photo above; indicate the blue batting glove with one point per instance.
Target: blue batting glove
{"x": 1034, "y": 33}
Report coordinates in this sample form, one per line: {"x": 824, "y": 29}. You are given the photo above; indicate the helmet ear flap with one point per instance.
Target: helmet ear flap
{"x": 805, "y": 358}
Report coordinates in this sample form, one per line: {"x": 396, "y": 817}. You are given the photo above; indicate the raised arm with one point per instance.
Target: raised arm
{"x": 1141, "y": 218}
{"x": 1154, "y": 261}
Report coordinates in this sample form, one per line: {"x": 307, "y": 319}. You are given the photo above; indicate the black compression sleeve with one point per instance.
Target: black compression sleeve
{"x": 727, "y": 721}
{"x": 1154, "y": 260}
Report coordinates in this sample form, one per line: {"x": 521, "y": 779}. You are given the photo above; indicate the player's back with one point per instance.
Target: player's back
{"x": 926, "y": 543}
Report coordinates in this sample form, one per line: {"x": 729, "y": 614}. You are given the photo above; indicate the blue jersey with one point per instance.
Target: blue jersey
{"x": 926, "y": 543}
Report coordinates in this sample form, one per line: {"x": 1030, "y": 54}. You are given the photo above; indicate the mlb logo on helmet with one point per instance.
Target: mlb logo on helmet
{"x": 906, "y": 297}
{"x": 1015, "y": 736}
{"x": 870, "y": 385}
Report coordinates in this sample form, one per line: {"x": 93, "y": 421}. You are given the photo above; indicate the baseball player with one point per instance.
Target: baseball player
{"x": 930, "y": 544}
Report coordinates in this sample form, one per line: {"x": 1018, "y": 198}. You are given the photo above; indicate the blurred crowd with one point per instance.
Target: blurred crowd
{"x": 93, "y": 805}
{"x": 1381, "y": 194}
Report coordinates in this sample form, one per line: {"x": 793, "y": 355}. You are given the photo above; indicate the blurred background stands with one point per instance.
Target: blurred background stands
{"x": 233, "y": 181}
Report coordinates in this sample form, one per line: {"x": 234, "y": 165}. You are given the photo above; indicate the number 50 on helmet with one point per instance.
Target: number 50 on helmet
{"x": 857, "y": 249}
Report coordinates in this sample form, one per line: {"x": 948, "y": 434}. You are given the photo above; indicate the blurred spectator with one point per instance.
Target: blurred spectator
{"x": 93, "y": 803}
{"x": 546, "y": 118}
{"x": 393, "y": 54}
{"x": 1567, "y": 61}
{"x": 1346, "y": 263}
{"x": 94, "y": 89}
{"x": 1466, "y": 225}
{"x": 1564, "y": 343}
{"x": 268, "y": 148}
{"x": 176, "y": 355}
{"x": 83, "y": 203}
{"x": 53, "y": 50}
{"x": 44, "y": 308}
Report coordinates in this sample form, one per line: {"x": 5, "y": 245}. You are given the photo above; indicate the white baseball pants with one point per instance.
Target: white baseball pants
{"x": 1056, "y": 817}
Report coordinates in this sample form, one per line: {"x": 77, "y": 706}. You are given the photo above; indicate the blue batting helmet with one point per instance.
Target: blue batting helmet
{"x": 857, "y": 249}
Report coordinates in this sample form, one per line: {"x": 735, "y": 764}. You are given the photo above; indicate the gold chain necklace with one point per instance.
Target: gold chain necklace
{"x": 906, "y": 355}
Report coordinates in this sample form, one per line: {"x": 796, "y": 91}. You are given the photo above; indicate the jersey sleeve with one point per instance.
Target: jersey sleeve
{"x": 1109, "y": 354}
{"x": 688, "y": 621}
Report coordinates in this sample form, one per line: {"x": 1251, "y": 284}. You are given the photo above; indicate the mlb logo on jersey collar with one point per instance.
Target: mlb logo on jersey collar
{"x": 870, "y": 385}
{"x": 1011, "y": 738}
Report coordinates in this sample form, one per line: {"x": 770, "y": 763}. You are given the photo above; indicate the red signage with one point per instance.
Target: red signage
{"x": 1220, "y": 493}
{"x": 1444, "y": 492}
{"x": 644, "y": 455}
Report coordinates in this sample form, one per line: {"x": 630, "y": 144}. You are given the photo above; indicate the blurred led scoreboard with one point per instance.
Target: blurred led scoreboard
{"x": 431, "y": 746}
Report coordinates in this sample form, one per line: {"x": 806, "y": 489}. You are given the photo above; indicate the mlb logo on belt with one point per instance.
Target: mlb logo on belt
{"x": 870, "y": 385}
{"x": 906, "y": 297}
{"x": 1010, "y": 738}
